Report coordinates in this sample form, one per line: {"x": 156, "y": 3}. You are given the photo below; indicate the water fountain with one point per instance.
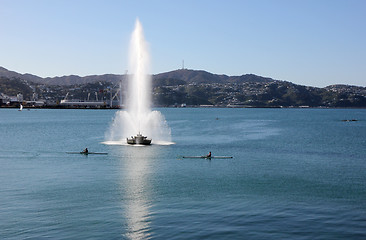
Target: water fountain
{"x": 138, "y": 119}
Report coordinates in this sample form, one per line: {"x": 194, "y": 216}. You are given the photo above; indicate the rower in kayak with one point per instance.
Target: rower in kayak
{"x": 208, "y": 155}
{"x": 85, "y": 150}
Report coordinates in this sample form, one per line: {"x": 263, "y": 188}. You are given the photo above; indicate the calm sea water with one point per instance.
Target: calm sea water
{"x": 296, "y": 174}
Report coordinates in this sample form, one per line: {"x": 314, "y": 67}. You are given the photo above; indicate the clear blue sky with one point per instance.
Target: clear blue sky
{"x": 308, "y": 42}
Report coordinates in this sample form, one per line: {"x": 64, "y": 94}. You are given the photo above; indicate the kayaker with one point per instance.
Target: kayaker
{"x": 85, "y": 150}
{"x": 209, "y": 155}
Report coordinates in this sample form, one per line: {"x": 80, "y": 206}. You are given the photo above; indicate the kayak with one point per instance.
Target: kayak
{"x": 207, "y": 157}
{"x": 87, "y": 153}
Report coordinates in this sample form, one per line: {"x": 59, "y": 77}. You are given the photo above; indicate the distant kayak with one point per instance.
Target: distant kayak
{"x": 87, "y": 153}
{"x": 207, "y": 157}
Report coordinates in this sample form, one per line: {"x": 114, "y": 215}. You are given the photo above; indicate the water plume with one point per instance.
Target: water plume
{"x": 138, "y": 116}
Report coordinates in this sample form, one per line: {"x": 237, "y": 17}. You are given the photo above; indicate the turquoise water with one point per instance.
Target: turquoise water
{"x": 296, "y": 174}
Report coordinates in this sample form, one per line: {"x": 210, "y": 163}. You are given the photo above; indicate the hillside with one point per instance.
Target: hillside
{"x": 60, "y": 81}
{"x": 199, "y": 76}
{"x": 14, "y": 86}
{"x": 11, "y": 74}
{"x": 189, "y": 76}
{"x": 190, "y": 87}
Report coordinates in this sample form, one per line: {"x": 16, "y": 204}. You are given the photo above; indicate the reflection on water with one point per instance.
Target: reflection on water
{"x": 136, "y": 167}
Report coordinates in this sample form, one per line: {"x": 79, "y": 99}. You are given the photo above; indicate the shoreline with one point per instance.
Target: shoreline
{"x": 193, "y": 106}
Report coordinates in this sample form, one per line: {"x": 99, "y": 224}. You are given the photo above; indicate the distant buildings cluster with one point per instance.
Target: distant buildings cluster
{"x": 16, "y": 101}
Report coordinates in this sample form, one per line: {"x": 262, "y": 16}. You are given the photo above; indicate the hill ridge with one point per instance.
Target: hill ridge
{"x": 187, "y": 75}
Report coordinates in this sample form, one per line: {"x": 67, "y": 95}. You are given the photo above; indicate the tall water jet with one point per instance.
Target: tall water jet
{"x": 138, "y": 98}
{"x": 138, "y": 117}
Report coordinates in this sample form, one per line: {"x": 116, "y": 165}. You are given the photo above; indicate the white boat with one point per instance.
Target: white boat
{"x": 139, "y": 139}
{"x": 21, "y": 107}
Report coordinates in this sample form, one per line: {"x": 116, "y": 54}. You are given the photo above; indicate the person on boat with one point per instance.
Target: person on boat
{"x": 208, "y": 155}
{"x": 85, "y": 150}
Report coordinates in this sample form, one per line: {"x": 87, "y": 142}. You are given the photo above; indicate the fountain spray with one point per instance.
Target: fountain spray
{"x": 138, "y": 116}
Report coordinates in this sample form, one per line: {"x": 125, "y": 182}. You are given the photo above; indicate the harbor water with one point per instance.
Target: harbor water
{"x": 295, "y": 174}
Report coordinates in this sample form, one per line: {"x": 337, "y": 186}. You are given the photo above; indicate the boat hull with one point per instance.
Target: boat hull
{"x": 206, "y": 157}
{"x": 144, "y": 142}
{"x": 87, "y": 153}
{"x": 139, "y": 140}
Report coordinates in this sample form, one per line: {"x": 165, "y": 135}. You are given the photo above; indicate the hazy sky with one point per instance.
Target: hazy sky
{"x": 308, "y": 42}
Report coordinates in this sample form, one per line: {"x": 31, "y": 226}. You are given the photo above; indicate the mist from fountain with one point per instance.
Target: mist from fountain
{"x": 138, "y": 116}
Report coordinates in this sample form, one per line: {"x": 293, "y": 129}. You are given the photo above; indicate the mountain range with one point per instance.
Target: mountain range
{"x": 189, "y": 76}
{"x": 190, "y": 87}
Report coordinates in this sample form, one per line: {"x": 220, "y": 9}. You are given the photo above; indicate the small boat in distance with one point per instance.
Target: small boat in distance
{"x": 87, "y": 153}
{"x": 21, "y": 107}
{"x": 139, "y": 139}
{"x": 207, "y": 157}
